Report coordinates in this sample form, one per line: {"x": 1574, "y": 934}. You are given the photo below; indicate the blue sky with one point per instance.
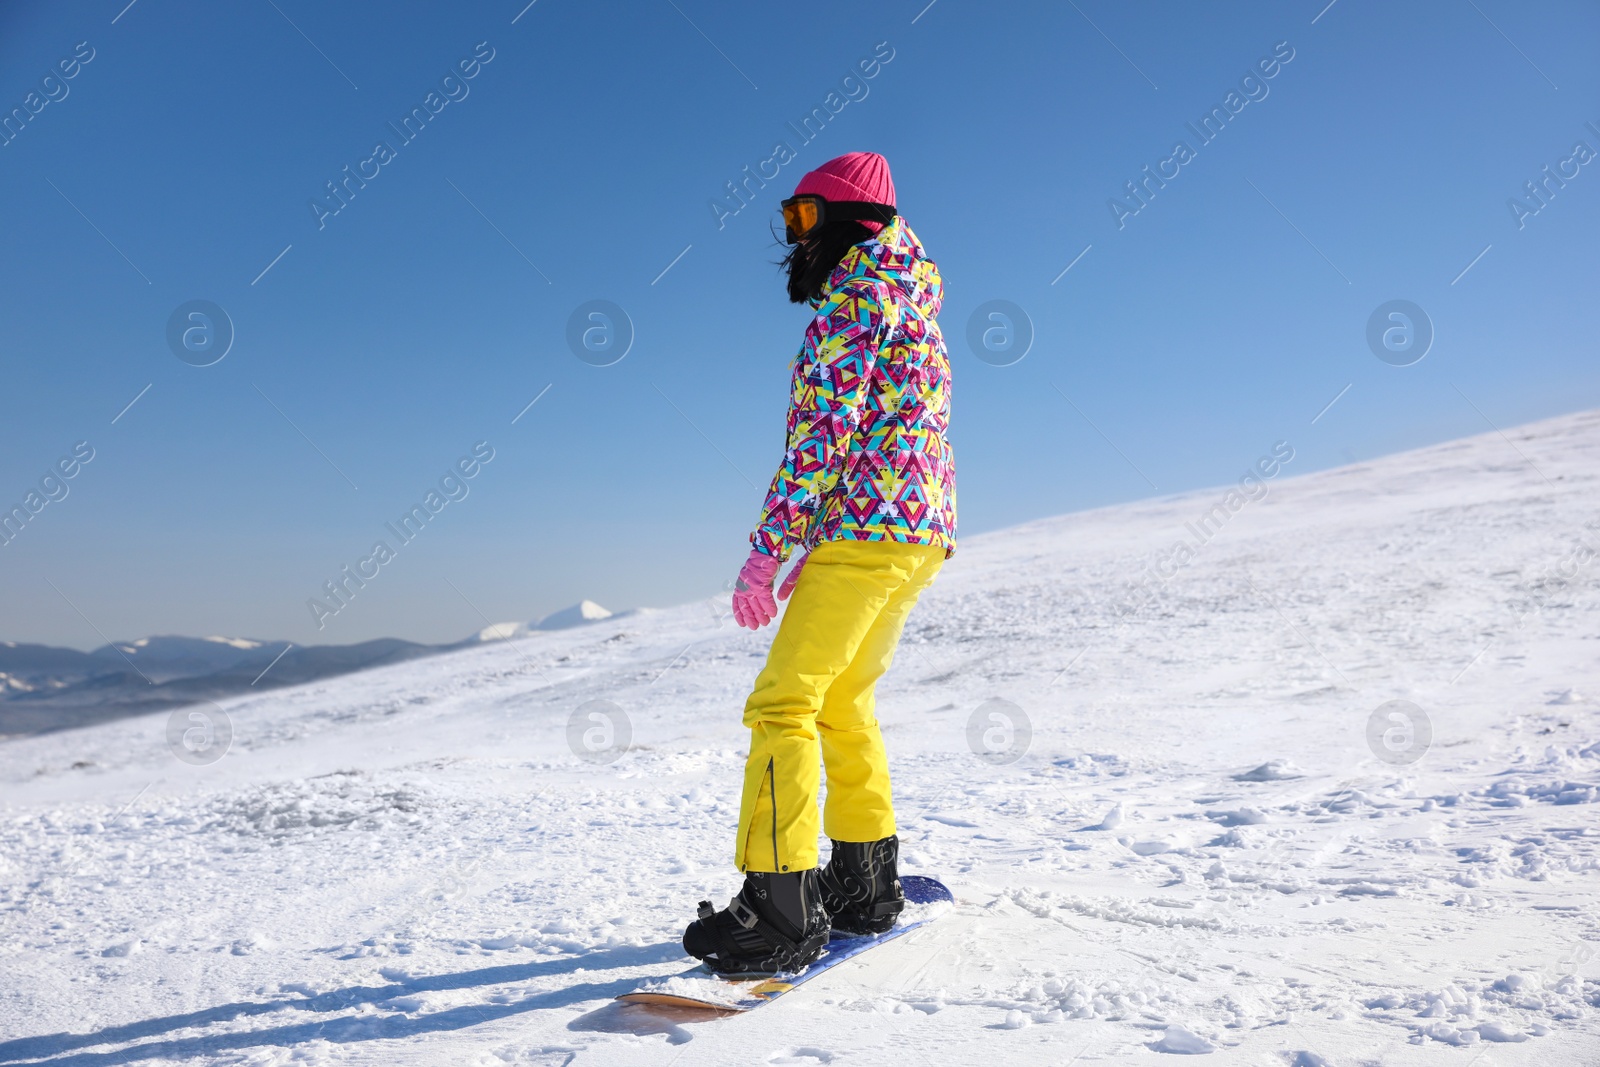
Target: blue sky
{"x": 583, "y": 158}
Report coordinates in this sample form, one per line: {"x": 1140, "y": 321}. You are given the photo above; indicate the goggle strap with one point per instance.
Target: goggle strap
{"x": 859, "y": 211}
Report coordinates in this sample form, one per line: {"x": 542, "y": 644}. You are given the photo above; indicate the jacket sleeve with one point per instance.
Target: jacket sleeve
{"x": 831, "y": 379}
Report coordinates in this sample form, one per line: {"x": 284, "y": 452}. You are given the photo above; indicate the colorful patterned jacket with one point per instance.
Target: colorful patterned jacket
{"x": 867, "y": 458}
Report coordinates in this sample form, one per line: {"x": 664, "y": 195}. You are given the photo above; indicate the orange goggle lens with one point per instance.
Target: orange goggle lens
{"x": 800, "y": 217}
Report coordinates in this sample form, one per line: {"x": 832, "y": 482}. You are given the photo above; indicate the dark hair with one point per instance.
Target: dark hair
{"x": 809, "y": 264}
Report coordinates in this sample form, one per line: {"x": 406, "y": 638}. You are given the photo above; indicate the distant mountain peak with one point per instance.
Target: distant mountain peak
{"x": 502, "y": 631}
{"x": 234, "y": 642}
{"x": 584, "y": 611}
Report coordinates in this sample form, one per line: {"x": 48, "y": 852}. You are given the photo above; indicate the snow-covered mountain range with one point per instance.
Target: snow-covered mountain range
{"x": 1320, "y": 789}
{"x": 45, "y": 688}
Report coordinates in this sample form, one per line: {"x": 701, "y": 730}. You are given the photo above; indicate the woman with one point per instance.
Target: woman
{"x": 867, "y": 487}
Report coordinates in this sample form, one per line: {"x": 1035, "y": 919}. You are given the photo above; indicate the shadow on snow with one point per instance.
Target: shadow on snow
{"x": 64, "y": 1047}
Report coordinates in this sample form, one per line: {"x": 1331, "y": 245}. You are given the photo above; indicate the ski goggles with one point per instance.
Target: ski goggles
{"x": 803, "y": 214}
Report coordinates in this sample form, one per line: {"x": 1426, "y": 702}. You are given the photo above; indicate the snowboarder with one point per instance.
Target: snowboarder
{"x": 867, "y": 491}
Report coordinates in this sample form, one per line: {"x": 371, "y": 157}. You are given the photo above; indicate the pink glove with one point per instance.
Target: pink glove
{"x": 787, "y": 585}
{"x": 753, "y": 606}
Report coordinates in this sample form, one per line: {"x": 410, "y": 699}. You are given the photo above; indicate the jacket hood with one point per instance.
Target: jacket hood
{"x": 896, "y": 257}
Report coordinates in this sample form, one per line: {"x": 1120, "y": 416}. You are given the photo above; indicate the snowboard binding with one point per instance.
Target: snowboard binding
{"x": 861, "y": 886}
{"x": 777, "y": 923}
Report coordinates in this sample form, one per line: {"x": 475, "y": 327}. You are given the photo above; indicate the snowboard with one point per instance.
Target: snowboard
{"x": 926, "y": 900}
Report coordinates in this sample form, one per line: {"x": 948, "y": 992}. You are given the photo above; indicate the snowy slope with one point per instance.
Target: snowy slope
{"x": 1196, "y": 848}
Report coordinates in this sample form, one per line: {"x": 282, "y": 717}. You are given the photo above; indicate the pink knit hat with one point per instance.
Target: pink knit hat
{"x": 852, "y": 176}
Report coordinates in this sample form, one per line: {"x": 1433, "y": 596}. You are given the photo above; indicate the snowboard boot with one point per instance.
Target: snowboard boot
{"x": 777, "y": 923}
{"x": 861, "y": 888}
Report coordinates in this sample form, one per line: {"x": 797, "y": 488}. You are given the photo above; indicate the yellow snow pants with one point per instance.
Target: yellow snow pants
{"x": 833, "y": 644}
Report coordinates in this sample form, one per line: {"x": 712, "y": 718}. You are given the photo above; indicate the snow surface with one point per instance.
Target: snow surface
{"x": 452, "y": 861}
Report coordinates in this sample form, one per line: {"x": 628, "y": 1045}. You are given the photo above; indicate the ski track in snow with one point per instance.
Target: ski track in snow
{"x": 1197, "y": 854}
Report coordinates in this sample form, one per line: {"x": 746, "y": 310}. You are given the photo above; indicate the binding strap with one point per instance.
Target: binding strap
{"x": 746, "y": 917}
